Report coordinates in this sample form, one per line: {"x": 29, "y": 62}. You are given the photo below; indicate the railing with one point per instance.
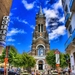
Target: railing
{"x": 71, "y": 3}
{"x": 70, "y": 39}
{"x": 67, "y": 17}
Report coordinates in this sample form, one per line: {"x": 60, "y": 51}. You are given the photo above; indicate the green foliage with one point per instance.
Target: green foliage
{"x": 50, "y": 58}
{"x": 11, "y": 55}
{"x": 16, "y": 59}
{"x": 27, "y": 60}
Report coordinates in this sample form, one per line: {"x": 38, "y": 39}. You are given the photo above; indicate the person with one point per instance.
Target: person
{"x": 69, "y": 71}
{"x": 33, "y": 73}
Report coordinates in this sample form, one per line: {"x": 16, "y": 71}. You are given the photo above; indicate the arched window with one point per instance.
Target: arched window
{"x": 40, "y": 50}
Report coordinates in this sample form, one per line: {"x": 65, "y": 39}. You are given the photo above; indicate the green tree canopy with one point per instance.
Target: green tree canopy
{"x": 51, "y": 59}
{"x": 27, "y": 60}
{"x": 11, "y": 54}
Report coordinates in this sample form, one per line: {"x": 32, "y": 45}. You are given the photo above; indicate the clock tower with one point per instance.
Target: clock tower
{"x": 40, "y": 42}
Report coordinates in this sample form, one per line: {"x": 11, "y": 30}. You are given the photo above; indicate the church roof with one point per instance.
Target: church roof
{"x": 40, "y": 11}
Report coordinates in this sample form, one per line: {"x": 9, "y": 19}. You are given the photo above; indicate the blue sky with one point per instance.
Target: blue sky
{"x": 22, "y": 23}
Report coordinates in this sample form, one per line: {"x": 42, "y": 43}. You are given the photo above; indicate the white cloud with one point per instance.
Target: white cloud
{"x": 14, "y": 8}
{"x": 15, "y": 31}
{"x": 57, "y": 5}
{"x": 62, "y": 19}
{"x": 32, "y": 26}
{"x": 28, "y": 6}
{"x": 19, "y": 43}
{"x": 57, "y": 32}
{"x": 50, "y": 13}
{"x": 20, "y": 20}
{"x": 25, "y": 22}
{"x": 10, "y": 40}
{"x": 11, "y": 14}
{"x": 54, "y": 24}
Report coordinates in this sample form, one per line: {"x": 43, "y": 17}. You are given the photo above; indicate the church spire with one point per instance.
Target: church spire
{"x": 40, "y": 11}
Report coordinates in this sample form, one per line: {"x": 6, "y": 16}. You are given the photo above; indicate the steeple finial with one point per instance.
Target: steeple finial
{"x": 40, "y": 12}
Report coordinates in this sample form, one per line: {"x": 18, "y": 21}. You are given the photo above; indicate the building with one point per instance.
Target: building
{"x": 40, "y": 42}
{"x": 4, "y": 19}
{"x": 69, "y": 11}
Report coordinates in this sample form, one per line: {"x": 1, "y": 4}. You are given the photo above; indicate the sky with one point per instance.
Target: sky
{"x": 22, "y": 24}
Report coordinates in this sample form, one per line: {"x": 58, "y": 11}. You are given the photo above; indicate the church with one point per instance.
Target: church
{"x": 40, "y": 42}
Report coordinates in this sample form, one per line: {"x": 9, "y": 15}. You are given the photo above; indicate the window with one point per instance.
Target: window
{"x": 2, "y": 31}
{"x": 41, "y": 27}
{"x": 40, "y": 51}
{"x": 70, "y": 29}
{"x": 66, "y": 8}
{"x": 38, "y": 27}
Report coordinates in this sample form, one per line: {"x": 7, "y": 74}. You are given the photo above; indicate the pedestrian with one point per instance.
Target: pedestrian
{"x": 33, "y": 73}
{"x": 69, "y": 71}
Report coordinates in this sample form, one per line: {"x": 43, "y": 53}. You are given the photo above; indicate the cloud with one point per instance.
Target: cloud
{"x": 20, "y": 20}
{"x": 57, "y": 32}
{"x": 14, "y": 8}
{"x": 11, "y": 14}
{"x": 28, "y": 6}
{"x": 10, "y": 40}
{"x": 54, "y": 24}
{"x": 50, "y": 13}
{"x": 19, "y": 43}
{"x": 32, "y": 26}
{"x": 57, "y": 5}
{"x": 24, "y": 21}
{"x": 62, "y": 19}
{"x": 15, "y": 31}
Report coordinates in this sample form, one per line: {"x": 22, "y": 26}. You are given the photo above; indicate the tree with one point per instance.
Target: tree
{"x": 64, "y": 60}
{"x": 11, "y": 55}
{"x": 27, "y": 60}
{"x": 51, "y": 59}
{"x": 18, "y": 60}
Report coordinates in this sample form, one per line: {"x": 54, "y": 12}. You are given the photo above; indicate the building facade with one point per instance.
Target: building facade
{"x": 69, "y": 12}
{"x": 4, "y": 19}
{"x": 40, "y": 42}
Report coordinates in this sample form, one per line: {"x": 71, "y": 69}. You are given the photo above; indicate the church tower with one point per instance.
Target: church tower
{"x": 40, "y": 42}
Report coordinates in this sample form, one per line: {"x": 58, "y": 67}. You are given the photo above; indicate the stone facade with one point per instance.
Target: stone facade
{"x": 40, "y": 42}
{"x": 4, "y": 11}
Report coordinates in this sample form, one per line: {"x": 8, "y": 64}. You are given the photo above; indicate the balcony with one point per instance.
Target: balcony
{"x": 72, "y": 5}
{"x": 67, "y": 19}
{"x": 70, "y": 43}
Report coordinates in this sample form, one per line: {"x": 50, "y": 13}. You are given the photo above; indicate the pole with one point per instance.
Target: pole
{"x": 6, "y": 61}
